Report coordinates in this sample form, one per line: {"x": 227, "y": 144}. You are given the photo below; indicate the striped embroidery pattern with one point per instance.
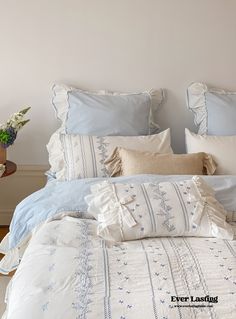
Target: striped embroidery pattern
{"x": 200, "y": 273}
{"x": 83, "y": 156}
{"x": 230, "y": 248}
{"x": 165, "y": 208}
{"x": 151, "y": 283}
{"x": 172, "y": 276}
{"x": 107, "y": 306}
{"x": 84, "y": 283}
{"x": 184, "y": 272}
{"x": 103, "y": 154}
{"x": 182, "y": 203}
{"x": 66, "y": 153}
{"x": 94, "y": 164}
{"x": 149, "y": 206}
{"x": 71, "y": 159}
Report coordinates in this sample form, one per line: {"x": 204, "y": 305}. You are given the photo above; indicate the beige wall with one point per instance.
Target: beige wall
{"x": 120, "y": 45}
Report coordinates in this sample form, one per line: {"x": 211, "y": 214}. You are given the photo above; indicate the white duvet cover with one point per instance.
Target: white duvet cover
{"x": 67, "y": 272}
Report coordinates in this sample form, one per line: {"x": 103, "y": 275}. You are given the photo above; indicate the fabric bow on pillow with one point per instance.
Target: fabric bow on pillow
{"x": 135, "y": 211}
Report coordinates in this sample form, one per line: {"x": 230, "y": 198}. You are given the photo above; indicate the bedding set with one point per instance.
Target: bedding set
{"x": 124, "y": 228}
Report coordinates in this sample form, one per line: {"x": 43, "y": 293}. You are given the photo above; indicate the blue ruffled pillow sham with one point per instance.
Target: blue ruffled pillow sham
{"x": 106, "y": 113}
{"x": 214, "y": 109}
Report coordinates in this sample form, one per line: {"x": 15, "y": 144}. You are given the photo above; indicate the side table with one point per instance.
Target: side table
{"x": 10, "y": 168}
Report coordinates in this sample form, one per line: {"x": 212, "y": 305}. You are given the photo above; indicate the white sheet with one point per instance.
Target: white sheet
{"x": 67, "y": 272}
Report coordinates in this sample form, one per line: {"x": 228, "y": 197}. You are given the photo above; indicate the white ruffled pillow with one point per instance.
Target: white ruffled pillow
{"x": 80, "y": 156}
{"x": 134, "y": 211}
{"x": 221, "y": 148}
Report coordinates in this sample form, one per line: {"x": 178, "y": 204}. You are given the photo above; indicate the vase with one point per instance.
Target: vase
{"x": 3, "y": 155}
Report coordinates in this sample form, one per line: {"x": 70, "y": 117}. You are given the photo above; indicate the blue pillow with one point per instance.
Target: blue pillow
{"x": 214, "y": 109}
{"x": 103, "y": 113}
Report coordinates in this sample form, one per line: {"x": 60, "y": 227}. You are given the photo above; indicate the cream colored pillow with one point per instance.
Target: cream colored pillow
{"x": 124, "y": 162}
{"x": 222, "y": 149}
{"x": 185, "y": 208}
{"x": 81, "y": 156}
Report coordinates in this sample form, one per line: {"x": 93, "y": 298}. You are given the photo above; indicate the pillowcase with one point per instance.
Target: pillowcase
{"x": 214, "y": 109}
{"x": 106, "y": 113}
{"x": 222, "y": 149}
{"x": 124, "y": 162}
{"x": 78, "y": 156}
{"x": 135, "y": 211}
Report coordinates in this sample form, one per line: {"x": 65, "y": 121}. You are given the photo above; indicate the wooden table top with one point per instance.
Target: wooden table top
{"x": 10, "y": 168}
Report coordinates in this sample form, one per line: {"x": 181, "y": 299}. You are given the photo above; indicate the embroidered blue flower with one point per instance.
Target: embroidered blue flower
{"x": 51, "y": 267}
{"x": 45, "y": 306}
{"x": 52, "y": 251}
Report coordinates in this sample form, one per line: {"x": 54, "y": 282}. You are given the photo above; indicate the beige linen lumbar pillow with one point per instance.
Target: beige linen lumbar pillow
{"x": 124, "y": 162}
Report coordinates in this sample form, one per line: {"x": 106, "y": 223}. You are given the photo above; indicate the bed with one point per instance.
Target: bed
{"x": 63, "y": 245}
{"x": 67, "y": 271}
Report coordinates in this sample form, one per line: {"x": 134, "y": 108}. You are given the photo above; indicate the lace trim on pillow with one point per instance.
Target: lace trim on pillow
{"x": 56, "y": 153}
{"x": 196, "y": 102}
{"x": 60, "y": 103}
{"x": 157, "y": 97}
{"x": 207, "y": 204}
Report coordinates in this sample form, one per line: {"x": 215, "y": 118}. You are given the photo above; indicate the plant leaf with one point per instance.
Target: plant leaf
{"x": 24, "y": 122}
{"x": 24, "y": 111}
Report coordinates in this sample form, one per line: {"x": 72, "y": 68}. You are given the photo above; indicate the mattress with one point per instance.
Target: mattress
{"x": 67, "y": 271}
